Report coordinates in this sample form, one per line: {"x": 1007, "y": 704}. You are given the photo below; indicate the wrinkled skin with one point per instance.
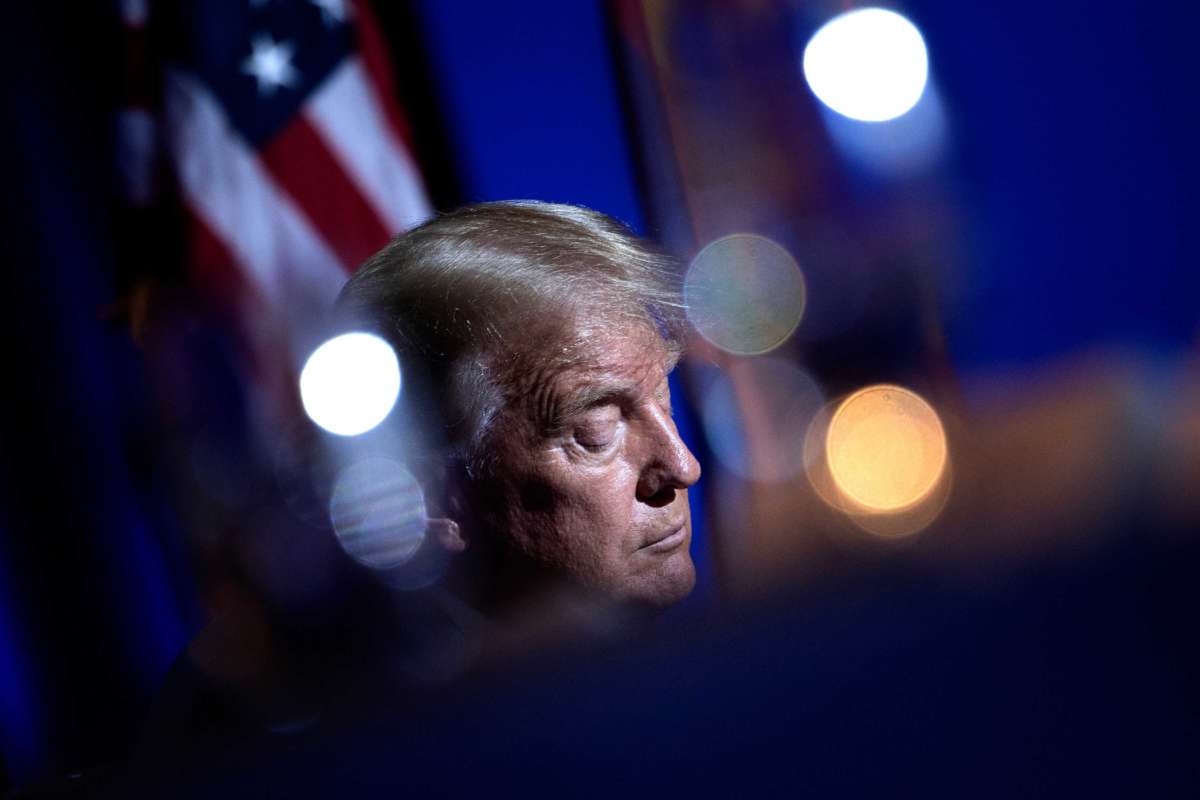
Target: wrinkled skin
{"x": 589, "y": 478}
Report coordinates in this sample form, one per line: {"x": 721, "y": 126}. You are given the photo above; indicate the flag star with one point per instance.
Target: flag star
{"x": 333, "y": 12}
{"x": 270, "y": 63}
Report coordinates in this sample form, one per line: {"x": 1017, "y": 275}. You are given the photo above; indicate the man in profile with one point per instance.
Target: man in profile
{"x": 536, "y": 341}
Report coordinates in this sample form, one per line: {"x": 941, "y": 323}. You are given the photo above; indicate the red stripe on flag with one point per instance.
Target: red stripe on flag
{"x": 221, "y": 281}
{"x": 379, "y": 67}
{"x": 214, "y": 270}
{"x": 302, "y": 166}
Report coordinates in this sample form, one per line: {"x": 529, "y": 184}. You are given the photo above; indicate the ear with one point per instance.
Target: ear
{"x": 449, "y": 528}
{"x": 447, "y": 533}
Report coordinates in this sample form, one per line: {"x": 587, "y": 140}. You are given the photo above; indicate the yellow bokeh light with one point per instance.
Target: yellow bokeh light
{"x": 885, "y": 449}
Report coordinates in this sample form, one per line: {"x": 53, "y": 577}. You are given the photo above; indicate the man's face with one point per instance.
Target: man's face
{"x": 590, "y": 476}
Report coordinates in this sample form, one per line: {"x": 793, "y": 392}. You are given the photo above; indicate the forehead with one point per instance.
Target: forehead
{"x": 592, "y": 361}
{"x": 618, "y": 350}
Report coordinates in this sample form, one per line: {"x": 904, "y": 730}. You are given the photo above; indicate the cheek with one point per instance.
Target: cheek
{"x": 612, "y": 497}
{"x": 587, "y": 509}
{"x": 536, "y": 496}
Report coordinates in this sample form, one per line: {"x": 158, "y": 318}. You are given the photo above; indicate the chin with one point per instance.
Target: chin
{"x": 668, "y": 585}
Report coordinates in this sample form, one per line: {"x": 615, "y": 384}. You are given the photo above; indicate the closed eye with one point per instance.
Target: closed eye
{"x": 598, "y": 428}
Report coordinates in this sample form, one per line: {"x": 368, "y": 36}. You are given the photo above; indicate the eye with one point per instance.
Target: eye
{"x": 597, "y": 430}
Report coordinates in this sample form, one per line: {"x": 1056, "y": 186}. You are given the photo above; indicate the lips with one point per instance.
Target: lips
{"x": 667, "y": 540}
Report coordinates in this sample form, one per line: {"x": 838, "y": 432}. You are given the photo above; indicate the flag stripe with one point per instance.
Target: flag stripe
{"x": 301, "y": 164}
{"x": 213, "y": 267}
{"x": 226, "y": 186}
{"x": 355, "y": 129}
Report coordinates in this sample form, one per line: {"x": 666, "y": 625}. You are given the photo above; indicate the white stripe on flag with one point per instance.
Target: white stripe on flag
{"x": 227, "y": 187}
{"x": 345, "y": 111}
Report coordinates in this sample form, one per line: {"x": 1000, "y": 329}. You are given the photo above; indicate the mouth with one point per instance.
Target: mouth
{"x": 666, "y": 541}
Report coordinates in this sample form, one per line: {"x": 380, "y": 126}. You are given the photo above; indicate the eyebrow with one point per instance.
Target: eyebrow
{"x": 590, "y": 397}
{"x": 597, "y": 394}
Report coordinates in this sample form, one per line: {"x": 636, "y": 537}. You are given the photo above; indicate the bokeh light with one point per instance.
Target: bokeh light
{"x": 870, "y": 64}
{"x": 880, "y": 456}
{"x": 886, "y": 448}
{"x": 745, "y": 294}
{"x": 755, "y": 417}
{"x": 815, "y": 464}
{"x": 378, "y": 513}
{"x": 909, "y": 144}
{"x": 350, "y": 383}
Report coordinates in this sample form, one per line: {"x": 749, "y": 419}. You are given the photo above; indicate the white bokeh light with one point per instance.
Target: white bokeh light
{"x": 378, "y": 513}
{"x": 869, "y": 65}
{"x": 350, "y": 383}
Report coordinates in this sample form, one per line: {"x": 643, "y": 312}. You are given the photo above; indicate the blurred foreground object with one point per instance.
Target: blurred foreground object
{"x": 1049, "y": 681}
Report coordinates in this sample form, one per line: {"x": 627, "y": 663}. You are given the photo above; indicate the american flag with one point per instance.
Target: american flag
{"x": 274, "y": 127}
{"x": 286, "y": 142}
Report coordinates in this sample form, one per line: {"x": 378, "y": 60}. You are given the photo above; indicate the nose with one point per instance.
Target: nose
{"x": 669, "y": 464}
